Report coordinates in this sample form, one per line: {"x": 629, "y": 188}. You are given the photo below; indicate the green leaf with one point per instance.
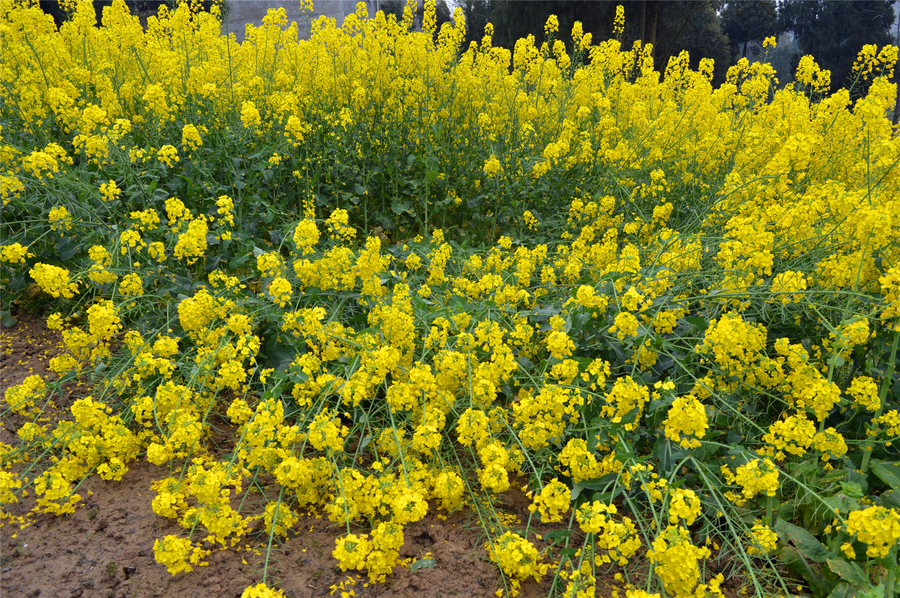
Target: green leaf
{"x": 422, "y": 564}
{"x": 67, "y": 248}
{"x": 7, "y": 319}
{"x": 875, "y": 592}
{"x": 624, "y": 450}
{"x": 850, "y": 572}
{"x": 398, "y": 206}
{"x": 805, "y": 543}
{"x": 841, "y": 503}
{"x": 852, "y": 489}
{"x": 239, "y": 261}
{"x": 697, "y": 322}
{"x": 890, "y": 499}
{"x": 601, "y": 483}
{"x": 558, "y": 534}
{"x": 844, "y": 590}
{"x": 888, "y": 472}
{"x": 857, "y": 478}
{"x": 795, "y": 561}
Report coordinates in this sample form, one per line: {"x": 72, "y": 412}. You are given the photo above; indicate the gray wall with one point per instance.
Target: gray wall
{"x": 242, "y": 12}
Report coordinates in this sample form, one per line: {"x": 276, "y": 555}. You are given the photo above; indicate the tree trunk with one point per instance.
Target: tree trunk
{"x": 643, "y": 21}
{"x": 653, "y": 20}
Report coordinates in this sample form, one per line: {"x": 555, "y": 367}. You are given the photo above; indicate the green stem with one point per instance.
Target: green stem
{"x": 272, "y": 534}
{"x": 892, "y": 573}
{"x": 885, "y": 384}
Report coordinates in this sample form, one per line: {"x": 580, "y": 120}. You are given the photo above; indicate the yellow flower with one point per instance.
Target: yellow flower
{"x": 250, "y": 115}
{"x": 177, "y": 554}
{"x": 190, "y": 137}
{"x": 14, "y": 253}
{"x": 553, "y": 501}
{"x": 625, "y": 402}
{"x": 552, "y": 25}
{"x": 192, "y": 243}
{"x": 409, "y": 506}
{"x": 758, "y": 477}
{"x": 878, "y": 527}
{"x": 559, "y": 344}
{"x": 763, "y": 539}
{"x": 686, "y": 421}
{"x": 110, "y": 191}
{"x": 492, "y": 166}
{"x": 351, "y": 551}
{"x": 684, "y": 504}
{"x": 676, "y": 560}
{"x": 279, "y": 518}
{"x": 168, "y": 155}
{"x": 132, "y": 285}
{"x": 306, "y": 235}
{"x": 261, "y": 590}
{"x": 54, "y": 280}
{"x": 60, "y": 219}
{"x": 864, "y": 391}
{"x": 21, "y": 397}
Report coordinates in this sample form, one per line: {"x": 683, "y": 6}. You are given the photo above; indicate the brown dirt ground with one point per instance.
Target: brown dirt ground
{"x": 105, "y": 548}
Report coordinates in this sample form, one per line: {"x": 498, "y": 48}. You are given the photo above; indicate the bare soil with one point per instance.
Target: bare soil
{"x": 105, "y": 548}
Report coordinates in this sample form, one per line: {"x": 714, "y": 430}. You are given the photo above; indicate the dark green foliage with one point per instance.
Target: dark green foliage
{"x": 140, "y": 8}
{"x": 670, "y": 27}
{"x": 834, "y": 31}
{"x": 746, "y": 21}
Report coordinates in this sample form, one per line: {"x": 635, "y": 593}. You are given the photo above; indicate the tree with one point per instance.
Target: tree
{"x": 745, "y": 21}
{"x": 396, "y": 8}
{"x": 670, "y": 26}
{"x": 834, "y": 31}
{"x": 139, "y": 8}
{"x": 478, "y": 15}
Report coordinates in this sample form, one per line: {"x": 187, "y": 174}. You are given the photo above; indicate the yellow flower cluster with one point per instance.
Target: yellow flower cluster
{"x": 878, "y": 527}
{"x": 755, "y": 477}
{"x": 517, "y": 557}
{"x": 676, "y": 560}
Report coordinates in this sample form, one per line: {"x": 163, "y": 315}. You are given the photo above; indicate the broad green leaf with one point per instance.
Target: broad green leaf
{"x": 852, "y": 489}
{"x": 558, "y": 534}
{"x": 805, "y": 543}
{"x": 696, "y": 321}
{"x": 890, "y": 499}
{"x": 888, "y": 472}
{"x": 795, "y": 561}
{"x": 845, "y": 590}
{"x": 422, "y": 564}
{"x": 841, "y": 503}
{"x": 399, "y": 206}
{"x": 874, "y": 592}
{"x": 850, "y": 572}
{"x": 601, "y": 483}
{"x": 7, "y": 319}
